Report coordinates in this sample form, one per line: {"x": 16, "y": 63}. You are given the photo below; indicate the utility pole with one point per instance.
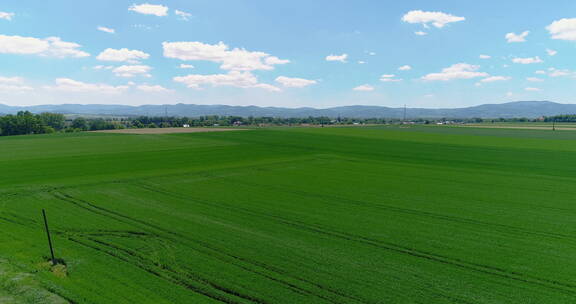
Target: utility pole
{"x": 404, "y": 120}
{"x": 49, "y": 239}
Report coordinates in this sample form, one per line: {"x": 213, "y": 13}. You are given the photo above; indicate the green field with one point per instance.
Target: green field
{"x": 291, "y": 215}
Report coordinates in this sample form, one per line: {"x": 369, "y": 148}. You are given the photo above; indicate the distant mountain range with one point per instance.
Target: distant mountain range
{"x": 528, "y": 109}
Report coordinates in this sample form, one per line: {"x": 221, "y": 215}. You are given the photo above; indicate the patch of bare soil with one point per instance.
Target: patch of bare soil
{"x": 521, "y": 127}
{"x": 167, "y": 130}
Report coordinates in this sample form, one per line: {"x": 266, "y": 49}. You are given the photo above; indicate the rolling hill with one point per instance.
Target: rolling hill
{"x": 528, "y": 109}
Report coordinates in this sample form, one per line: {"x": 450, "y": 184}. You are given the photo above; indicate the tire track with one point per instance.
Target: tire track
{"x": 213, "y": 251}
{"x": 481, "y": 268}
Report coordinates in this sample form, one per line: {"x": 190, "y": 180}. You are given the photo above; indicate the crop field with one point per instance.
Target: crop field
{"x": 291, "y": 215}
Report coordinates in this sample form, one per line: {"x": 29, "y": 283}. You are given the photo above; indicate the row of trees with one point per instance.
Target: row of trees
{"x": 28, "y": 123}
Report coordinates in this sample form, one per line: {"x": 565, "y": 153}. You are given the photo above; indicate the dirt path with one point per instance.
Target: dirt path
{"x": 522, "y": 127}
{"x": 167, "y": 130}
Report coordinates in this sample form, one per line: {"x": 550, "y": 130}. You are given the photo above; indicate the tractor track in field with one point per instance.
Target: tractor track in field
{"x": 189, "y": 272}
{"x": 128, "y": 220}
{"x": 481, "y": 268}
{"x": 105, "y": 212}
{"x": 154, "y": 272}
{"x": 253, "y": 263}
{"x": 330, "y": 198}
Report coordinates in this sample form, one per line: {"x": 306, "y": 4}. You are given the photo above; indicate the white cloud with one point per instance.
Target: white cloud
{"x": 456, "y": 71}
{"x": 372, "y": 53}
{"x": 49, "y": 47}
{"x": 534, "y": 79}
{"x": 509, "y": 94}
{"x": 364, "y": 88}
{"x": 186, "y": 66}
{"x": 554, "y": 72}
{"x": 61, "y": 49}
{"x": 150, "y": 9}
{"x": 389, "y": 78}
{"x": 74, "y": 86}
{"x": 295, "y": 82}
{"x": 495, "y": 78}
{"x": 103, "y": 67}
{"x": 420, "y": 33}
{"x": 405, "y": 68}
{"x": 6, "y": 16}
{"x": 340, "y": 58}
{"x": 541, "y": 72}
{"x": 153, "y": 88}
{"x": 563, "y": 29}
{"x": 528, "y": 60}
{"x": 106, "y": 29}
{"x": 437, "y": 19}
{"x": 512, "y": 37}
{"x": 551, "y": 52}
{"x": 13, "y": 85}
{"x": 132, "y": 71}
{"x": 183, "y": 15}
{"x": 131, "y": 56}
{"x": 233, "y": 78}
{"x": 532, "y": 89}
{"x": 361, "y": 62}
{"x": 11, "y": 80}
{"x": 485, "y": 56}
{"x": 230, "y": 59}
{"x": 273, "y": 60}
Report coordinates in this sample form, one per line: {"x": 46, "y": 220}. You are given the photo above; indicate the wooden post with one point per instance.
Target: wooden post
{"x": 49, "y": 239}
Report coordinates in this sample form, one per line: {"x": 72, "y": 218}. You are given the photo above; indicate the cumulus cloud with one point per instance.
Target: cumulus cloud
{"x": 437, "y": 19}
{"x": 183, "y": 15}
{"x": 534, "y": 79}
{"x": 532, "y": 89}
{"x": 132, "y": 71}
{"x": 6, "y": 16}
{"x": 13, "y": 85}
{"x": 512, "y": 37}
{"x": 528, "y": 60}
{"x": 131, "y": 56}
{"x": 237, "y": 79}
{"x": 495, "y": 78}
{"x": 106, "y": 29}
{"x": 563, "y": 29}
{"x": 485, "y": 57}
{"x": 49, "y": 47}
{"x": 74, "y": 86}
{"x": 364, "y": 88}
{"x": 153, "y": 88}
{"x": 456, "y": 71}
{"x": 340, "y": 58}
{"x": 420, "y": 33}
{"x": 289, "y": 82}
{"x": 150, "y": 9}
{"x": 389, "y": 78}
{"x": 186, "y": 66}
{"x": 551, "y": 52}
{"x": 405, "y": 68}
{"x": 230, "y": 59}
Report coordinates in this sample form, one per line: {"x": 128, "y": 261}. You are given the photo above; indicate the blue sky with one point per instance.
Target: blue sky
{"x": 287, "y": 53}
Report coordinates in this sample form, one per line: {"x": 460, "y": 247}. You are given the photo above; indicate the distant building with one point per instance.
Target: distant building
{"x": 185, "y": 126}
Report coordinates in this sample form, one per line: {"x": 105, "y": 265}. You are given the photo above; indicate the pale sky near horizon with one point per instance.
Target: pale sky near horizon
{"x": 320, "y": 53}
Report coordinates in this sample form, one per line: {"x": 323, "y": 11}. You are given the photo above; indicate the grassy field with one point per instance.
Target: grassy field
{"x": 303, "y": 215}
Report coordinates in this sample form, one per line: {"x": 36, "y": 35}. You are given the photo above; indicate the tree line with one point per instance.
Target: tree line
{"x": 28, "y": 123}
